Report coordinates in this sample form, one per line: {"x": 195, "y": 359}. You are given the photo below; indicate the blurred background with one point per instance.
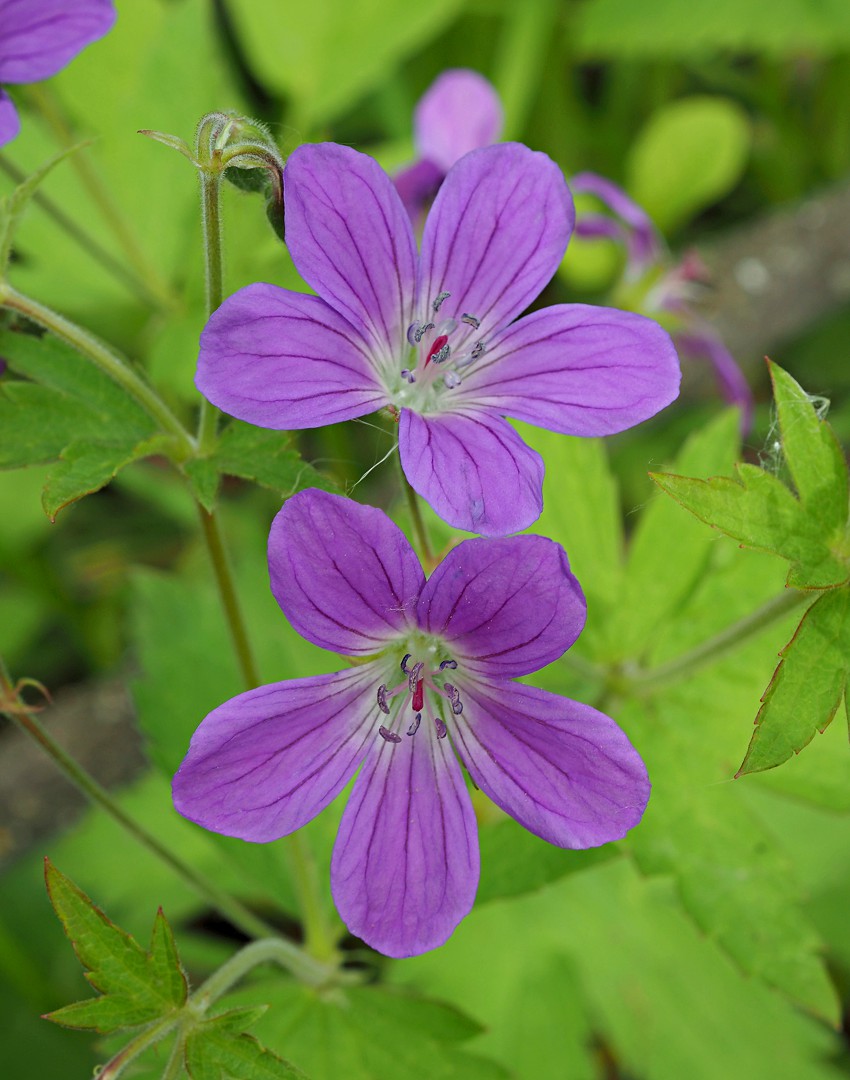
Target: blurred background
{"x": 728, "y": 121}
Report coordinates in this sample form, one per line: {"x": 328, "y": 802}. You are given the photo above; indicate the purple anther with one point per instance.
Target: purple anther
{"x": 442, "y": 355}
{"x": 442, "y": 730}
{"x": 414, "y": 333}
{"x": 448, "y": 664}
{"x": 477, "y": 350}
{"x": 457, "y": 706}
{"x": 404, "y": 668}
{"x": 414, "y": 727}
{"x": 388, "y": 736}
{"x": 421, "y": 330}
{"x": 451, "y": 379}
{"x": 470, "y": 320}
{"x": 408, "y": 375}
{"x": 450, "y": 690}
{"x": 413, "y": 677}
{"x": 439, "y": 301}
{"x": 382, "y": 699}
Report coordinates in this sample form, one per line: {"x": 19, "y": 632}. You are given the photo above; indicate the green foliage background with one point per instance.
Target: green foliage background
{"x": 713, "y": 942}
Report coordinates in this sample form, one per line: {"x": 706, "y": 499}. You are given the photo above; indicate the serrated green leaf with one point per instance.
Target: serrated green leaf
{"x": 137, "y": 987}
{"x": 691, "y": 153}
{"x": 204, "y": 478}
{"x": 758, "y": 511}
{"x": 807, "y": 686}
{"x": 85, "y": 466}
{"x": 13, "y": 206}
{"x": 813, "y": 455}
{"x": 266, "y": 457}
{"x": 214, "y": 1052}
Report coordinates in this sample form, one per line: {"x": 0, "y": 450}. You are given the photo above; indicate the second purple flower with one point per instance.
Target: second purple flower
{"x": 434, "y": 337}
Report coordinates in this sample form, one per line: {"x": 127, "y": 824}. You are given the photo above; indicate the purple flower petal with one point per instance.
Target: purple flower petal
{"x": 39, "y": 37}
{"x": 266, "y": 762}
{"x": 10, "y": 125}
{"x": 642, "y": 240}
{"x": 576, "y": 369}
{"x": 459, "y": 112}
{"x": 351, "y": 239}
{"x": 417, "y": 185}
{"x": 495, "y": 235}
{"x": 508, "y": 607}
{"x": 563, "y": 770}
{"x": 706, "y": 345}
{"x": 344, "y": 574}
{"x": 283, "y": 360}
{"x": 473, "y": 469}
{"x": 405, "y": 864}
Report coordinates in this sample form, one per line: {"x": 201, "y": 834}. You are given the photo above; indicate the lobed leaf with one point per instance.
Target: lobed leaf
{"x": 218, "y": 1049}
{"x": 138, "y": 987}
{"x": 807, "y": 687}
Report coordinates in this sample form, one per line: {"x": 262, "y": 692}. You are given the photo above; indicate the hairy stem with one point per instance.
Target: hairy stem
{"x": 213, "y": 262}
{"x": 109, "y": 362}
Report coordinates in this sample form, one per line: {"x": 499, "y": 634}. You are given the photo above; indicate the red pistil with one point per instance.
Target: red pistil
{"x": 435, "y": 348}
{"x": 419, "y": 696}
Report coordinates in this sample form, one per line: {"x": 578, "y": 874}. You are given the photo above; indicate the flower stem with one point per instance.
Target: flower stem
{"x": 117, "y": 1064}
{"x": 722, "y": 643}
{"x": 318, "y": 938}
{"x": 211, "y": 222}
{"x": 416, "y": 518}
{"x": 130, "y": 278}
{"x": 102, "y": 357}
{"x": 102, "y": 197}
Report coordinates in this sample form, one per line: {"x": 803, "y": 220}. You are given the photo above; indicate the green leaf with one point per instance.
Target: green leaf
{"x": 85, "y": 467}
{"x": 761, "y": 513}
{"x": 13, "y": 206}
{"x": 813, "y": 455}
{"x": 668, "y": 555}
{"x": 691, "y": 153}
{"x": 251, "y": 453}
{"x": 808, "y": 684}
{"x": 368, "y": 1032}
{"x": 218, "y": 1050}
{"x": 138, "y": 987}
{"x": 328, "y": 55}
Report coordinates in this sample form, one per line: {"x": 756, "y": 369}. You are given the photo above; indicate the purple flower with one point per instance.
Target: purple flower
{"x": 671, "y": 290}
{"x": 432, "y": 337}
{"x": 436, "y": 679}
{"x": 459, "y": 112}
{"x": 38, "y": 38}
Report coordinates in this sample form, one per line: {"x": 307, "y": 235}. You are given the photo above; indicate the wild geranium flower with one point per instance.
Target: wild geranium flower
{"x": 38, "y": 38}
{"x": 460, "y": 111}
{"x": 433, "y": 338}
{"x": 436, "y": 683}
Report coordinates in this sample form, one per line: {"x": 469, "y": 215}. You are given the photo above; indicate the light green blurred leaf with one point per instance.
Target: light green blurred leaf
{"x": 328, "y": 55}
{"x": 689, "y": 155}
{"x": 808, "y": 685}
{"x": 668, "y": 555}
{"x": 137, "y": 987}
{"x": 672, "y": 28}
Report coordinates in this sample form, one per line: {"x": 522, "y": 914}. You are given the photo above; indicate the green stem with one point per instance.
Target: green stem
{"x": 213, "y": 261}
{"x": 50, "y": 108}
{"x": 174, "y": 1066}
{"x": 116, "y": 1065}
{"x": 102, "y": 357}
{"x": 722, "y": 643}
{"x": 137, "y": 285}
{"x": 416, "y": 519}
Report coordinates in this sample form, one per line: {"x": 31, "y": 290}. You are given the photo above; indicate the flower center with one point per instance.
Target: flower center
{"x": 422, "y": 691}
{"x": 441, "y": 352}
